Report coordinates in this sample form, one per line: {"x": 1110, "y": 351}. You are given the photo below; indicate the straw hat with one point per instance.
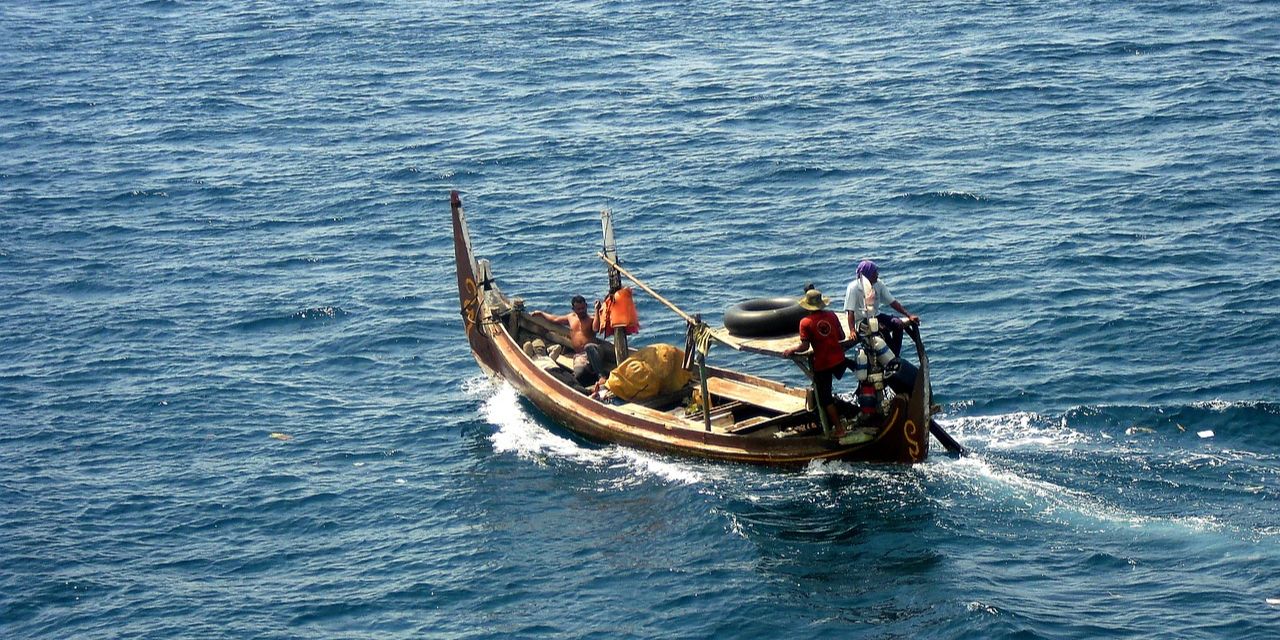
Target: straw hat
{"x": 813, "y": 300}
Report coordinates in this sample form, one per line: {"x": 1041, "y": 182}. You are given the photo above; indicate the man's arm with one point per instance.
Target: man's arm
{"x": 546, "y": 316}
{"x": 803, "y": 346}
{"x": 852, "y": 300}
{"x": 903, "y": 310}
{"x": 597, "y": 319}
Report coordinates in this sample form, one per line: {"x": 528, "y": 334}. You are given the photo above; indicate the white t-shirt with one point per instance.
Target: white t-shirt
{"x": 855, "y": 299}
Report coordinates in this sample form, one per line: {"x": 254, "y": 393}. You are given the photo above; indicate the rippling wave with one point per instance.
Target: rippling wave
{"x": 238, "y": 401}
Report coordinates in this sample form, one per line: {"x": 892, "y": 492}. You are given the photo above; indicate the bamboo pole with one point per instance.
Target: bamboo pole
{"x": 620, "y": 349}
{"x": 706, "y": 395}
{"x": 655, "y": 294}
{"x": 610, "y": 254}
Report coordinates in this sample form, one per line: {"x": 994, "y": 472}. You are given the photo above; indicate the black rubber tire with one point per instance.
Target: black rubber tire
{"x": 764, "y": 317}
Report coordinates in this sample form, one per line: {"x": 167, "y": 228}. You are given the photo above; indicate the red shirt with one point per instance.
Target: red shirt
{"x": 822, "y": 330}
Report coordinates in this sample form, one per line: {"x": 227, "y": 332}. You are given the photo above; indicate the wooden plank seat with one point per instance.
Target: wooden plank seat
{"x": 748, "y": 425}
{"x": 754, "y": 395}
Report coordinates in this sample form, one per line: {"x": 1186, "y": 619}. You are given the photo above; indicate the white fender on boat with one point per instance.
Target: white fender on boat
{"x": 883, "y": 354}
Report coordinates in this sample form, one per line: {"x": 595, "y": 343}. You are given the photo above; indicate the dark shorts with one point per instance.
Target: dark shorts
{"x": 891, "y": 330}
{"x": 588, "y": 365}
{"x": 822, "y": 381}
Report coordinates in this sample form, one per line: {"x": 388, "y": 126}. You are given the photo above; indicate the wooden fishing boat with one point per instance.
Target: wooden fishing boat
{"x": 747, "y": 419}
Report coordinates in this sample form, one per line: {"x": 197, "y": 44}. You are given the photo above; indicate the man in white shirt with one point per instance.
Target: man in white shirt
{"x": 862, "y": 300}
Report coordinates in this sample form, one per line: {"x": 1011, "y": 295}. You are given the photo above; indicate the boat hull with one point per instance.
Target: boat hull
{"x": 902, "y": 438}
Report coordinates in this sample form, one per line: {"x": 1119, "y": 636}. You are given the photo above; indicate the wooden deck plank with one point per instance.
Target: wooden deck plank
{"x": 753, "y": 395}
{"x": 775, "y": 346}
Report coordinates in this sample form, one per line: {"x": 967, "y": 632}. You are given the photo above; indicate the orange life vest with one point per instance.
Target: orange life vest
{"x": 620, "y": 311}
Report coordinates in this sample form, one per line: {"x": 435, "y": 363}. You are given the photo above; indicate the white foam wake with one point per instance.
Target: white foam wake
{"x": 1005, "y": 489}
{"x": 520, "y": 434}
{"x": 1020, "y": 430}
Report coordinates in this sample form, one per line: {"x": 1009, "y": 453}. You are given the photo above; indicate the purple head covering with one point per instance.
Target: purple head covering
{"x": 868, "y": 269}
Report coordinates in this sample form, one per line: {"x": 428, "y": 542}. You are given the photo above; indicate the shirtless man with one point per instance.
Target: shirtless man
{"x": 587, "y": 362}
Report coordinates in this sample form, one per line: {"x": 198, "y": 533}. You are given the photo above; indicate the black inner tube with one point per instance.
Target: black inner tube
{"x": 764, "y": 317}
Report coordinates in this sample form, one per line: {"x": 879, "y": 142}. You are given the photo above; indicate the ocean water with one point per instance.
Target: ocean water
{"x": 236, "y": 399}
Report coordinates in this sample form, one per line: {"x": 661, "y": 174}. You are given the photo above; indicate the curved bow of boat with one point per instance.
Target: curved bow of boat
{"x": 470, "y": 291}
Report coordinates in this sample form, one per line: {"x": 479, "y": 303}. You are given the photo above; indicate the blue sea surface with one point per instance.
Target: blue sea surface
{"x": 236, "y": 399}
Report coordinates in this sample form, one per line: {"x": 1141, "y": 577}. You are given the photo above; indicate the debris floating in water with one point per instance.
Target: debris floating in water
{"x": 400, "y": 480}
{"x": 1136, "y": 429}
{"x": 316, "y": 313}
{"x": 1181, "y": 428}
{"x": 1205, "y": 434}
{"x": 1275, "y": 602}
{"x": 281, "y": 436}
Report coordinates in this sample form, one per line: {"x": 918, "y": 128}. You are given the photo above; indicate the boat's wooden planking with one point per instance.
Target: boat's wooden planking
{"x": 762, "y": 397}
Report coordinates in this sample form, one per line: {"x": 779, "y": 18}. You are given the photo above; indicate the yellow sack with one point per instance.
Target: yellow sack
{"x": 650, "y": 372}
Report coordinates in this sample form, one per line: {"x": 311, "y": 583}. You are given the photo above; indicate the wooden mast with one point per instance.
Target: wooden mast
{"x": 620, "y": 350}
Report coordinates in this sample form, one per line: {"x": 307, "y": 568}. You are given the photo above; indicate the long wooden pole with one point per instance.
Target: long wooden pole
{"x": 823, "y": 420}
{"x": 706, "y": 395}
{"x": 620, "y": 350}
{"x": 702, "y": 373}
{"x": 687, "y": 318}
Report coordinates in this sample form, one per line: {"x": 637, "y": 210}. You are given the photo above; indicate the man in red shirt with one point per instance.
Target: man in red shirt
{"x": 821, "y": 329}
